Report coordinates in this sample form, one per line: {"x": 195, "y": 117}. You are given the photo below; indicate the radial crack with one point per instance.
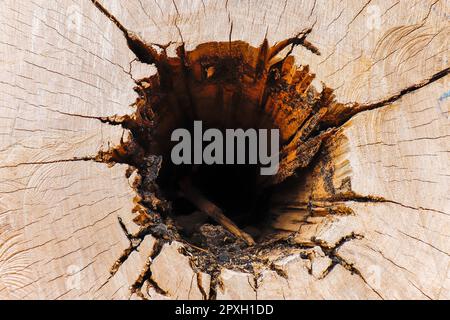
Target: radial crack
{"x": 356, "y": 108}
{"x": 143, "y": 51}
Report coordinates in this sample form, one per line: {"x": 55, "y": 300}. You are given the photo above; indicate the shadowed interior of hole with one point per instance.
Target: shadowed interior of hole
{"x": 232, "y": 187}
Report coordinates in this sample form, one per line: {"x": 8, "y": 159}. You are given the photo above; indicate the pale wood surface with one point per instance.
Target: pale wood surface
{"x": 58, "y": 216}
{"x": 59, "y": 234}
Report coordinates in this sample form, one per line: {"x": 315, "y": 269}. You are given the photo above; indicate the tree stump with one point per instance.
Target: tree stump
{"x": 366, "y": 217}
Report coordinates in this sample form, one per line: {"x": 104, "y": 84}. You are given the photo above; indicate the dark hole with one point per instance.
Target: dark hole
{"x": 231, "y": 187}
{"x": 234, "y": 188}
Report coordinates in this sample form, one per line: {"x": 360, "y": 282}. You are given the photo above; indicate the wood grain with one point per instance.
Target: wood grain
{"x": 64, "y": 66}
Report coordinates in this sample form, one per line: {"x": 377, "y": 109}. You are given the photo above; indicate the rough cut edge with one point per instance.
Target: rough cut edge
{"x": 20, "y": 181}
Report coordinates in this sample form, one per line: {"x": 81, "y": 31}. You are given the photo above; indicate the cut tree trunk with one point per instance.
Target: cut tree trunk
{"x": 370, "y": 218}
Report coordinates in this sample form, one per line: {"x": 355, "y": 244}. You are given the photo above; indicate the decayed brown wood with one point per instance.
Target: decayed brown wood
{"x": 371, "y": 215}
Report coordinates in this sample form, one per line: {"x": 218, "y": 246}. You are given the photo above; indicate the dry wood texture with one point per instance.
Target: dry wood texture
{"x": 368, "y": 219}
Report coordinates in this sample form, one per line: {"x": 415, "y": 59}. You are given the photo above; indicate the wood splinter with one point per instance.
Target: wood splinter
{"x": 191, "y": 193}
